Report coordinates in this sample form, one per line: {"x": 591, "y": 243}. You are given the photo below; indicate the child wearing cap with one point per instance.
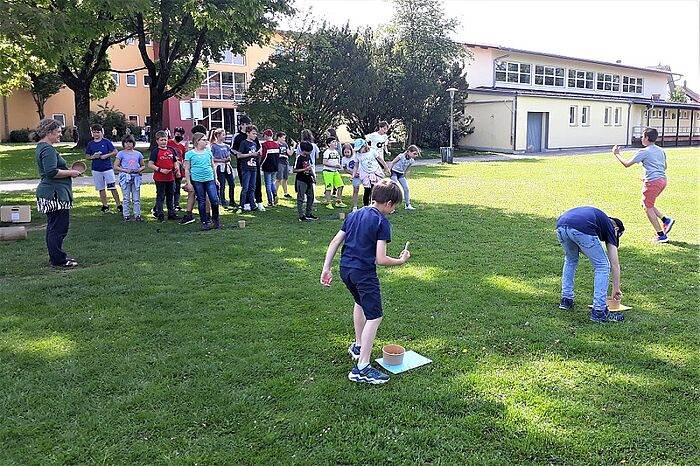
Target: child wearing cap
{"x": 365, "y": 235}
{"x": 370, "y": 168}
{"x": 270, "y": 157}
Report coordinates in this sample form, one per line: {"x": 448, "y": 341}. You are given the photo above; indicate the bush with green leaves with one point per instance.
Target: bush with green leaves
{"x": 19, "y": 135}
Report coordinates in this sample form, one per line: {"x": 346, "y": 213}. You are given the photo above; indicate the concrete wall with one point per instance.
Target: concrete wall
{"x": 492, "y": 122}
{"x": 561, "y": 134}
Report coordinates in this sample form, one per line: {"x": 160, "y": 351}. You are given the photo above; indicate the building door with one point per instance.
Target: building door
{"x": 534, "y": 131}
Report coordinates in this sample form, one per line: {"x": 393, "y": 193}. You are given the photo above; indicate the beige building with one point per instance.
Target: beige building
{"x": 220, "y": 94}
{"x": 524, "y": 101}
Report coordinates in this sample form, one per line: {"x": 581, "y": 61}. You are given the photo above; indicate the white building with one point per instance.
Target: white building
{"x": 524, "y": 101}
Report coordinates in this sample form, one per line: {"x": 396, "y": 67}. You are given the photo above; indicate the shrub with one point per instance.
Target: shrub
{"x": 19, "y": 135}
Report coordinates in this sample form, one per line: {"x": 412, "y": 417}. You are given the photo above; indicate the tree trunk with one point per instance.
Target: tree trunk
{"x": 82, "y": 115}
{"x": 156, "y": 106}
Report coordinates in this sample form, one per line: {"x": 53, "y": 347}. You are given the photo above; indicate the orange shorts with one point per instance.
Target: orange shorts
{"x": 651, "y": 191}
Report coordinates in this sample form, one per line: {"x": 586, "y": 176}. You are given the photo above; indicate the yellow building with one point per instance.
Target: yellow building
{"x": 524, "y": 101}
{"x": 221, "y": 93}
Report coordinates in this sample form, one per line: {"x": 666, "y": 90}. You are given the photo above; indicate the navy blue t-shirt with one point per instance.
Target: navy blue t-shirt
{"x": 590, "y": 221}
{"x": 249, "y": 163}
{"x": 362, "y": 231}
{"x": 105, "y": 146}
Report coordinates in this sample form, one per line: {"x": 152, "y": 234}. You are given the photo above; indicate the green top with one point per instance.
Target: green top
{"x": 49, "y": 162}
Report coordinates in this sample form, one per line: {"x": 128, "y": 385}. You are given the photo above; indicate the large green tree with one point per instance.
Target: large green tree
{"x": 310, "y": 82}
{"x": 188, "y": 33}
{"x": 426, "y": 60}
{"x": 73, "y": 38}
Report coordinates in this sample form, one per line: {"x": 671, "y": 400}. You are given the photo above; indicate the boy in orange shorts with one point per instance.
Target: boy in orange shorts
{"x": 653, "y": 160}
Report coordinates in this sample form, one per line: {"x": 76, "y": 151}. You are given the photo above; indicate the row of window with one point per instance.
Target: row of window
{"x": 131, "y": 79}
{"x": 670, "y": 114}
{"x": 611, "y": 116}
{"x": 131, "y": 119}
{"x": 228, "y": 57}
{"x": 523, "y": 73}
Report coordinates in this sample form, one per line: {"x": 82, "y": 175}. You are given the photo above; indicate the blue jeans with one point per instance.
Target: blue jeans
{"x": 270, "y": 186}
{"x": 573, "y": 242}
{"x": 204, "y": 189}
{"x": 401, "y": 178}
{"x": 247, "y": 188}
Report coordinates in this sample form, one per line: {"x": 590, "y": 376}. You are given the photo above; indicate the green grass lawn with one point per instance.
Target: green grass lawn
{"x": 174, "y": 346}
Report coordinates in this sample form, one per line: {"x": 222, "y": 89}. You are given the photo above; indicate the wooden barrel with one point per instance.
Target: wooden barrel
{"x": 12, "y": 233}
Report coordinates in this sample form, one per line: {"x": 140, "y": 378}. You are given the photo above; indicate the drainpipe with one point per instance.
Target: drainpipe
{"x": 514, "y": 124}
{"x": 629, "y": 113}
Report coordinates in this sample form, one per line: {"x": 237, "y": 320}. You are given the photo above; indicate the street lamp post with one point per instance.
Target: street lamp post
{"x": 452, "y": 91}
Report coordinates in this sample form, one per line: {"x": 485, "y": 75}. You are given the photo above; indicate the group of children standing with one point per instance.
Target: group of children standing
{"x": 207, "y": 173}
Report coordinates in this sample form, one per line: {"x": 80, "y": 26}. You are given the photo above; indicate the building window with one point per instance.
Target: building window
{"x": 146, "y": 80}
{"x": 608, "y": 82}
{"x": 606, "y": 117}
{"x": 147, "y": 42}
{"x": 134, "y": 120}
{"x": 213, "y": 118}
{"x": 60, "y": 118}
{"x": 585, "y": 116}
{"x": 115, "y": 78}
{"x": 580, "y": 79}
{"x": 223, "y": 85}
{"x": 516, "y": 73}
{"x": 549, "y": 76}
{"x": 633, "y": 85}
{"x": 229, "y": 58}
{"x": 131, "y": 79}
{"x": 75, "y": 120}
{"x": 618, "y": 116}
{"x": 685, "y": 115}
{"x": 148, "y": 120}
{"x": 129, "y": 41}
{"x": 573, "y": 115}
{"x": 672, "y": 115}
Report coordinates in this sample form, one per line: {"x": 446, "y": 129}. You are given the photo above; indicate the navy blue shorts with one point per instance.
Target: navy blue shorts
{"x": 364, "y": 287}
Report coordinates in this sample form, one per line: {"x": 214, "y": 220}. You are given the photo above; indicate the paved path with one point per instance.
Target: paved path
{"x": 23, "y": 185}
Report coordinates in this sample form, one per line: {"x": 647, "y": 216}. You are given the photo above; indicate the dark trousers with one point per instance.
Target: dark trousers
{"x": 56, "y": 231}
{"x": 304, "y": 189}
{"x": 367, "y": 196}
{"x": 164, "y": 192}
{"x": 247, "y": 188}
{"x": 223, "y": 179}
{"x": 204, "y": 189}
{"x": 258, "y": 185}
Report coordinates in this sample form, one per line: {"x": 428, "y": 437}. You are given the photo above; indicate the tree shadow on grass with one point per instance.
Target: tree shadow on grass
{"x": 234, "y": 325}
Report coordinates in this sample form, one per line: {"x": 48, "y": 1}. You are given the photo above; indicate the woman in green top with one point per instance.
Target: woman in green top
{"x": 54, "y": 195}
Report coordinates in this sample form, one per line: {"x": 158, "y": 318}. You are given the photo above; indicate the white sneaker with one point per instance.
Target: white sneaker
{"x": 246, "y": 208}
{"x": 261, "y": 207}
{"x": 410, "y": 207}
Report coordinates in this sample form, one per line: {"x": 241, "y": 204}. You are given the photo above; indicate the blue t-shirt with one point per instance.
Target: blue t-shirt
{"x": 200, "y": 165}
{"x": 104, "y": 146}
{"x": 653, "y": 159}
{"x": 362, "y": 231}
{"x": 590, "y": 221}
{"x": 129, "y": 159}
{"x": 220, "y": 151}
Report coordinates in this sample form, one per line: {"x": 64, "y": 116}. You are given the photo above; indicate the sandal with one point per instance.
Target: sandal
{"x": 70, "y": 263}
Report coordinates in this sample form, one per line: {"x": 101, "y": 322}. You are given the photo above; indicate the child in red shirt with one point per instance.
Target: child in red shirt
{"x": 164, "y": 164}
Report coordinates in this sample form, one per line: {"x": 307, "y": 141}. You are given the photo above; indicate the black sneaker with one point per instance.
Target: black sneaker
{"x": 368, "y": 375}
{"x": 173, "y": 217}
{"x": 312, "y": 217}
{"x": 305, "y": 219}
{"x": 566, "y": 304}
{"x": 187, "y": 219}
{"x": 120, "y": 208}
{"x": 161, "y": 219}
{"x": 104, "y": 209}
{"x": 127, "y": 219}
{"x": 138, "y": 219}
{"x": 288, "y": 196}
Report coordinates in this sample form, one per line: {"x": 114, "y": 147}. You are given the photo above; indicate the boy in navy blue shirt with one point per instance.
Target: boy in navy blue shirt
{"x": 365, "y": 233}
{"x": 581, "y": 230}
{"x": 101, "y": 151}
